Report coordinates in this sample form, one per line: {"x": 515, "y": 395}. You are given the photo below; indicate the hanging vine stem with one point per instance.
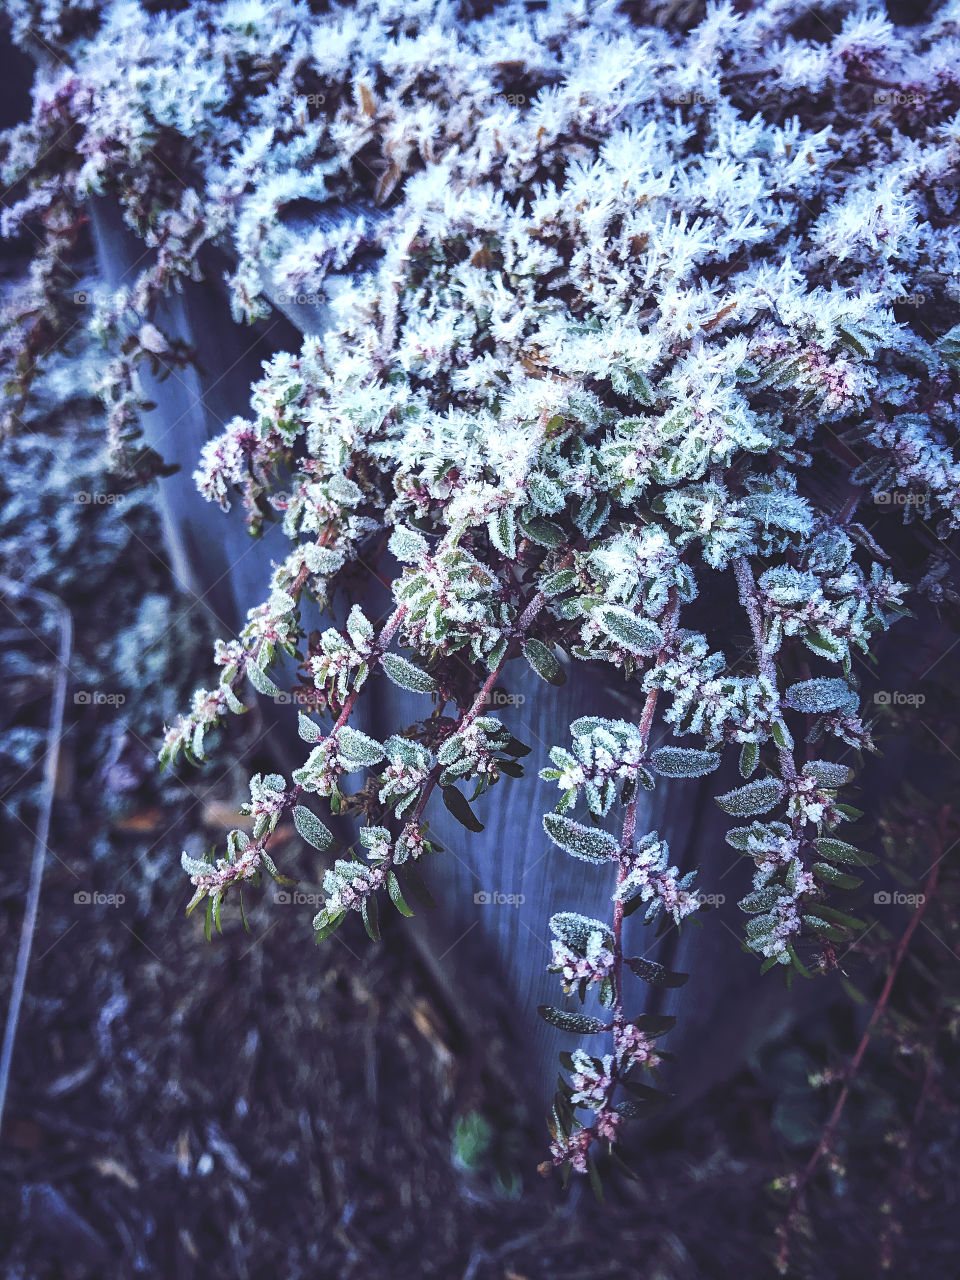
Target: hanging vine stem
{"x": 630, "y": 828}
{"x": 518, "y": 631}
{"x": 747, "y": 589}
{"x": 828, "y": 1137}
{"x": 594, "y": 1082}
{"x": 245, "y": 858}
{"x": 383, "y": 643}
{"x": 50, "y": 764}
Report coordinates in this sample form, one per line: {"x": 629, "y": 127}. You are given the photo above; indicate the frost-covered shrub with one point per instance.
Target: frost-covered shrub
{"x": 621, "y": 319}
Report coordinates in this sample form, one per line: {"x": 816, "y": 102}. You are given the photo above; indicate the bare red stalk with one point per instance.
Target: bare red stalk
{"x": 747, "y": 589}
{"x": 519, "y": 629}
{"x": 380, "y": 646}
{"x": 906, "y": 1171}
{"x": 626, "y": 849}
{"x": 828, "y": 1137}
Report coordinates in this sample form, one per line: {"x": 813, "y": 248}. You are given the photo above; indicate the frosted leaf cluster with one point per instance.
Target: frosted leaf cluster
{"x": 642, "y": 344}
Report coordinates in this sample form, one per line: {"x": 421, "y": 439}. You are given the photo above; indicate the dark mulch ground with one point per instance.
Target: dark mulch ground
{"x": 258, "y": 1107}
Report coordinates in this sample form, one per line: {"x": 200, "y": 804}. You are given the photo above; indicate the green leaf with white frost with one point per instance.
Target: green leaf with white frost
{"x": 821, "y": 695}
{"x": 831, "y": 875}
{"x": 195, "y": 866}
{"x": 396, "y": 894}
{"x": 586, "y": 843}
{"x": 756, "y": 797}
{"x": 949, "y": 345}
{"x": 740, "y": 837}
{"x": 233, "y": 702}
{"x": 452, "y": 749}
{"x": 576, "y": 930}
{"x": 820, "y": 927}
{"x": 370, "y": 914}
{"x": 371, "y": 837}
{"x": 308, "y": 730}
{"x": 842, "y": 918}
{"x": 261, "y": 681}
{"x": 545, "y": 533}
{"x": 407, "y": 675}
{"x": 656, "y": 974}
{"x": 555, "y": 583}
{"x": 761, "y": 899}
{"x": 840, "y": 851}
{"x": 639, "y": 636}
{"x": 579, "y": 1023}
{"x": 749, "y": 755}
{"x": 324, "y": 924}
{"x": 311, "y": 828}
{"x": 357, "y": 749}
{"x": 360, "y": 629}
{"x": 323, "y": 561}
{"x": 684, "y": 762}
{"x": 827, "y": 774}
{"x": 408, "y": 546}
{"x": 502, "y": 527}
{"x": 544, "y": 662}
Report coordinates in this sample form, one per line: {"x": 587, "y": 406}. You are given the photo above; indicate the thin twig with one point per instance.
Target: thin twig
{"x": 829, "y": 1134}
{"x": 50, "y": 766}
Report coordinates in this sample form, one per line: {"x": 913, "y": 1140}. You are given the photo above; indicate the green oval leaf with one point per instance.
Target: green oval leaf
{"x": 579, "y": 1023}
{"x": 544, "y": 662}
{"x": 585, "y": 843}
{"x": 639, "y": 636}
{"x": 407, "y": 674}
{"x": 459, "y": 806}
{"x": 684, "y": 762}
{"x": 311, "y": 828}
{"x": 756, "y": 797}
{"x": 261, "y": 681}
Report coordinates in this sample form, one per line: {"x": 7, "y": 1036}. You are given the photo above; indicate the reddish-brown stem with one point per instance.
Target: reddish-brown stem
{"x": 519, "y": 629}
{"x": 626, "y": 848}
{"x": 906, "y": 1170}
{"x": 386, "y": 635}
{"x": 379, "y": 648}
{"x": 747, "y": 589}
{"x": 829, "y": 1134}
